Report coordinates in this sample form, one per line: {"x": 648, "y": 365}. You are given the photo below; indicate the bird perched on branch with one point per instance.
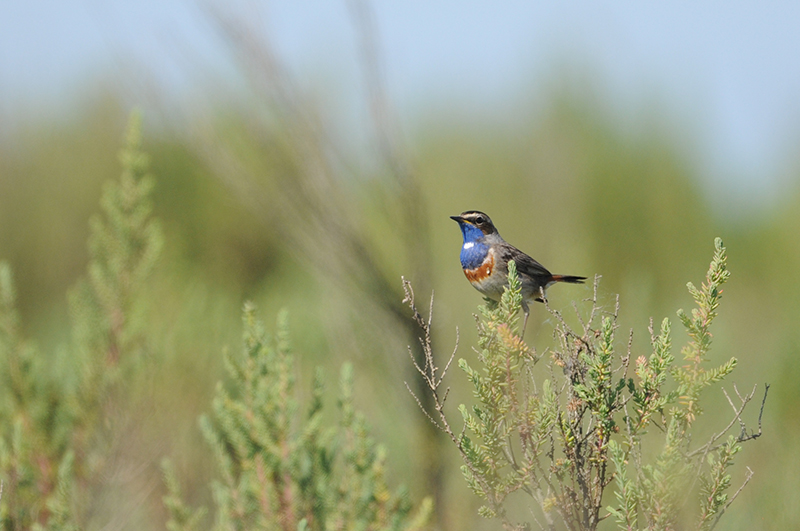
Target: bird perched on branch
{"x": 484, "y": 259}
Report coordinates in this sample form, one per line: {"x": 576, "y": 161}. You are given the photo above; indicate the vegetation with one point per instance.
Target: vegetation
{"x": 58, "y": 428}
{"x": 279, "y": 472}
{"x": 265, "y": 201}
{"x": 584, "y": 424}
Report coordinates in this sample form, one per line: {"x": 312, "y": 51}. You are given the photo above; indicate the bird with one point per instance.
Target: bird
{"x": 485, "y": 256}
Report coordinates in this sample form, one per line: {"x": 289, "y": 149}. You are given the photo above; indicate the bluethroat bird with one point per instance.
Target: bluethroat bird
{"x": 484, "y": 259}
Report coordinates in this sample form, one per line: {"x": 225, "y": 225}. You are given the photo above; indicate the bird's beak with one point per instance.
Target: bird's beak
{"x": 458, "y": 218}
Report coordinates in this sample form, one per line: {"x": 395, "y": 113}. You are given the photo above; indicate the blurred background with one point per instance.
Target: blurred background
{"x": 308, "y": 154}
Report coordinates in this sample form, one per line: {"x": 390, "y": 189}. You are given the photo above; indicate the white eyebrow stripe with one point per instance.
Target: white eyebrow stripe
{"x": 469, "y": 245}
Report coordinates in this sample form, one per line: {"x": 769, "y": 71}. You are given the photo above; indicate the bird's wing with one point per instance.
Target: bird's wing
{"x": 525, "y": 264}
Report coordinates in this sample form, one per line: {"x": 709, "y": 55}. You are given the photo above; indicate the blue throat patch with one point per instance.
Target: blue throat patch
{"x": 474, "y": 255}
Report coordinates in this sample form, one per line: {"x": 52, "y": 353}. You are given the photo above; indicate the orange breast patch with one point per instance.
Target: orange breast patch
{"x": 479, "y": 274}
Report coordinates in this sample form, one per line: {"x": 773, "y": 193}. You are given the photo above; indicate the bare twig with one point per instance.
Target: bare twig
{"x": 422, "y": 408}
{"x": 737, "y": 417}
{"x": 756, "y": 434}
{"x": 429, "y": 370}
{"x": 743, "y": 436}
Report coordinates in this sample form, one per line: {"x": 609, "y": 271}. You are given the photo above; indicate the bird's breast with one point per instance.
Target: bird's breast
{"x": 473, "y": 254}
{"x": 479, "y": 275}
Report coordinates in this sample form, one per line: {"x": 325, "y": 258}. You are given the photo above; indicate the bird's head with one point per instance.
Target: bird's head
{"x": 474, "y": 225}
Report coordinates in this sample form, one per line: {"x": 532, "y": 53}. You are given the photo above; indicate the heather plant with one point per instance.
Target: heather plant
{"x": 58, "y": 416}
{"x": 598, "y": 433}
{"x": 281, "y": 466}
{"x": 62, "y": 419}
{"x": 36, "y": 455}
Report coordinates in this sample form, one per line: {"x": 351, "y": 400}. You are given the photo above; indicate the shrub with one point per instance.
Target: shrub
{"x": 61, "y": 423}
{"x": 281, "y": 469}
{"x": 56, "y": 429}
{"x": 584, "y": 425}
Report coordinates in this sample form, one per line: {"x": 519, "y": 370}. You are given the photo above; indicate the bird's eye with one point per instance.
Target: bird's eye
{"x": 480, "y": 220}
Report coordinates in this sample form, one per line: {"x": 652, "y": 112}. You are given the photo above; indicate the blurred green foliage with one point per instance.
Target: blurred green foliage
{"x": 564, "y": 182}
{"x": 282, "y": 468}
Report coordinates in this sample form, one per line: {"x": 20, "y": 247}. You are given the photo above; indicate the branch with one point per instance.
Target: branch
{"x": 747, "y": 479}
{"x": 743, "y": 436}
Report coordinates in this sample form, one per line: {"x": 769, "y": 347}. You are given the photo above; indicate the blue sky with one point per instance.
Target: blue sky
{"x": 729, "y": 71}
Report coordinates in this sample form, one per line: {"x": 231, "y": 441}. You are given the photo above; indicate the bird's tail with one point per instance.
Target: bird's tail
{"x": 570, "y": 279}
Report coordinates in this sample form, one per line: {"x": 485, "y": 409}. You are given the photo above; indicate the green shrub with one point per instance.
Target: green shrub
{"x": 282, "y": 468}
{"x": 585, "y": 425}
{"x": 62, "y": 419}
{"x": 588, "y": 431}
{"x": 56, "y": 426}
